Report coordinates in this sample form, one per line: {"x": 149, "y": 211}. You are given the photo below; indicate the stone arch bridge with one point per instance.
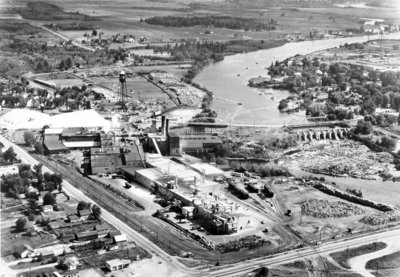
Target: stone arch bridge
{"x": 322, "y": 134}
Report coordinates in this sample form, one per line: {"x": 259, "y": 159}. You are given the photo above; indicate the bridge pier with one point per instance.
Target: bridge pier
{"x": 324, "y": 135}
{"x": 318, "y": 134}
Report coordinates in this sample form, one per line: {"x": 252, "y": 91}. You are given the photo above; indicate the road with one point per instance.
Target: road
{"x": 40, "y": 25}
{"x": 133, "y": 235}
{"x": 294, "y": 255}
{"x": 228, "y": 270}
{"x": 358, "y": 263}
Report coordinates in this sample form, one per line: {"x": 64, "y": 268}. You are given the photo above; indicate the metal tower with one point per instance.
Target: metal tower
{"x": 123, "y": 93}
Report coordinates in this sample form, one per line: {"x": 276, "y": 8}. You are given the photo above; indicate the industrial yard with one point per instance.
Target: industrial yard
{"x": 210, "y": 138}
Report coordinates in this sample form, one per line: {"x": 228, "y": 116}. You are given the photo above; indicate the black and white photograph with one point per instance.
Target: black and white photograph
{"x": 200, "y": 138}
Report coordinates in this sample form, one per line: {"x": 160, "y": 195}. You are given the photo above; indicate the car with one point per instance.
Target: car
{"x": 127, "y": 185}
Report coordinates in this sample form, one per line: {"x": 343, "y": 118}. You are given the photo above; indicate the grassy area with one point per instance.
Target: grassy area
{"x": 46, "y": 11}
{"x": 387, "y": 273}
{"x": 297, "y": 264}
{"x": 385, "y": 262}
{"x": 39, "y": 272}
{"x": 11, "y": 240}
{"x": 280, "y": 272}
{"x": 343, "y": 256}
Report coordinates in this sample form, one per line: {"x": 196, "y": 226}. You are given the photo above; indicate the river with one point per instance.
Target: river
{"x": 228, "y": 81}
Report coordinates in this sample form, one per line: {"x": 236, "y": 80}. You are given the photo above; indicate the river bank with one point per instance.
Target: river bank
{"x": 234, "y": 72}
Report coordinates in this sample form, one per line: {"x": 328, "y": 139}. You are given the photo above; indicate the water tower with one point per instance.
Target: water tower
{"x": 123, "y": 93}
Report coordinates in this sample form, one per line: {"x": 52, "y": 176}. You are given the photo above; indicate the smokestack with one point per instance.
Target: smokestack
{"x": 163, "y": 125}
{"x": 167, "y": 127}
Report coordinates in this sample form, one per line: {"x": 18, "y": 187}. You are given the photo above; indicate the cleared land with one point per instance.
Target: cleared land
{"x": 385, "y": 262}
{"x": 316, "y": 223}
{"x": 343, "y": 256}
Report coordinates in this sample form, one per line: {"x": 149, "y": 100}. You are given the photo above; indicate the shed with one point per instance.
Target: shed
{"x": 120, "y": 238}
{"x": 117, "y": 264}
{"x": 87, "y": 235}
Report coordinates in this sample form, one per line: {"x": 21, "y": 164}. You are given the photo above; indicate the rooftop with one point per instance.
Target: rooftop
{"x": 116, "y": 262}
{"x": 206, "y": 168}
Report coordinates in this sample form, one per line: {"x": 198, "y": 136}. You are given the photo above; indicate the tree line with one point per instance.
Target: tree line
{"x": 237, "y": 23}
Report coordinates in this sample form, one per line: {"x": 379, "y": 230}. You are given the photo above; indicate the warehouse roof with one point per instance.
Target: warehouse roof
{"x": 53, "y": 143}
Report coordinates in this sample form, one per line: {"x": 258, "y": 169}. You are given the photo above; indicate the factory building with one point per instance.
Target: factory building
{"x": 114, "y": 155}
{"x": 199, "y": 196}
{"x": 175, "y": 144}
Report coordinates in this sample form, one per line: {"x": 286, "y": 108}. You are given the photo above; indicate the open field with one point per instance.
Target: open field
{"x": 11, "y": 240}
{"x": 385, "y": 262}
{"x": 316, "y": 225}
{"x": 123, "y": 17}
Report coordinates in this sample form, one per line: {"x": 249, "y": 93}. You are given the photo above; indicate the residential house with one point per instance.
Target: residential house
{"x": 46, "y": 252}
{"x": 87, "y": 235}
{"x": 47, "y": 208}
{"x": 117, "y": 264}
{"x": 54, "y": 225}
{"x": 72, "y": 273}
{"x": 84, "y": 214}
{"x": 25, "y": 251}
{"x": 73, "y": 218}
{"x": 70, "y": 263}
{"x": 120, "y": 239}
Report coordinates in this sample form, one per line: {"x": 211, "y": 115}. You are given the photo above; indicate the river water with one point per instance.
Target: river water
{"x": 228, "y": 81}
{"x": 222, "y": 79}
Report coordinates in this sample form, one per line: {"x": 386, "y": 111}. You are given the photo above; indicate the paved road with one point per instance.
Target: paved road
{"x": 133, "y": 235}
{"x": 294, "y": 255}
{"x": 229, "y": 270}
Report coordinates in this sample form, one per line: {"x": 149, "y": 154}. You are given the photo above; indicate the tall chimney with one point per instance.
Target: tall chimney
{"x": 163, "y": 125}
{"x": 166, "y": 127}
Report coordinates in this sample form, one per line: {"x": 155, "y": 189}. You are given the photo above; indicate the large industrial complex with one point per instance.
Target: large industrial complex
{"x": 170, "y": 138}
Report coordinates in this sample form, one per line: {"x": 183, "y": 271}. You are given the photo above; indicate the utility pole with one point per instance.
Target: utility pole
{"x": 301, "y": 216}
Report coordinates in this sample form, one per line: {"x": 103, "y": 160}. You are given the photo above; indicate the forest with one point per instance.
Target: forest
{"x": 236, "y": 23}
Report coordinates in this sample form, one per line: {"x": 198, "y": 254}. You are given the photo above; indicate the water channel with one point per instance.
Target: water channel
{"x": 228, "y": 81}
{"x": 230, "y": 89}
{"x": 236, "y": 102}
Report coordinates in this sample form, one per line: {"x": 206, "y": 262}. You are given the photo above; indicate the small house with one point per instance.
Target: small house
{"x": 25, "y": 251}
{"x": 117, "y": 264}
{"x": 47, "y": 208}
{"x": 70, "y": 264}
{"x": 120, "y": 238}
{"x": 188, "y": 211}
{"x": 84, "y": 214}
{"x": 46, "y": 252}
{"x": 73, "y": 218}
{"x": 87, "y": 236}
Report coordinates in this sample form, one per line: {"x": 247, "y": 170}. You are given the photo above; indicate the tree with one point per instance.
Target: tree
{"x": 363, "y": 127}
{"x": 20, "y": 225}
{"x": 388, "y": 143}
{"x": 39, "y": 148}
{"x": 82, "y": 205}
{"x": 262, "y": 272}
{"x": 96, "y": 211}
{"x": 29, "y": 138}
{"x": 9, "y": 155}
{"x": 49, "y": 199}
